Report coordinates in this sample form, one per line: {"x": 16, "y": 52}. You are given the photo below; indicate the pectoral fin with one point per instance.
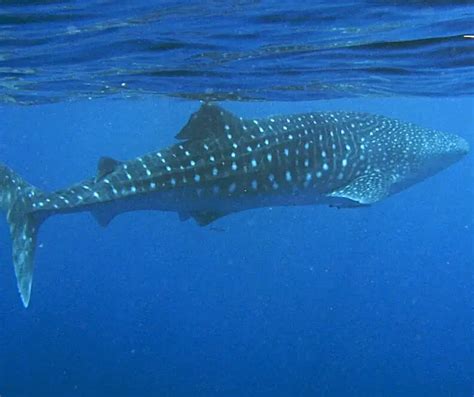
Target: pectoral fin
{"x": 366, "y": 189}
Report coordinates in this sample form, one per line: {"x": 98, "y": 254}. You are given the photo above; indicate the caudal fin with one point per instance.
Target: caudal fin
{"x": 16, "y": 197}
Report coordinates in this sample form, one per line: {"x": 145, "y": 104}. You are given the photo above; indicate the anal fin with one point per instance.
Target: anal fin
{"x": 103, "y": 216}
{"x": 204, "y": 218}
{"x": 183, "y": 216}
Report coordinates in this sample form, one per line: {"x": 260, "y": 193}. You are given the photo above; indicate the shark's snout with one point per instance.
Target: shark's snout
{"x": 447, "y": 147}
{"x": 462, "y": 146}
{"x": 443, "y": 150}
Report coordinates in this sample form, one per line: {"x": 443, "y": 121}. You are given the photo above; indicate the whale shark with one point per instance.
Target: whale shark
{"x": 224, "y": 164}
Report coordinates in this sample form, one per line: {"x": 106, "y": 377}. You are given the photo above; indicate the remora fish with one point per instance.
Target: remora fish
{"x": 226, "y": 164}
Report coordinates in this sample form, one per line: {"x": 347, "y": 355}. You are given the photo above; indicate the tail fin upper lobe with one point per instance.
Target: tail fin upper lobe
{"x": 16, "y": 199}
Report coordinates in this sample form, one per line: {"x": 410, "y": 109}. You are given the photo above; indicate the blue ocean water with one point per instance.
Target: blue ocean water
{"x": 307, "y": 301}
{"x": 282, "y": 301}
{"x": 60, "y": 50}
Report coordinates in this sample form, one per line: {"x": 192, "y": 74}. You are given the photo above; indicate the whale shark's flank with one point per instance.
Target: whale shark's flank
{"x": 224, "y": 164}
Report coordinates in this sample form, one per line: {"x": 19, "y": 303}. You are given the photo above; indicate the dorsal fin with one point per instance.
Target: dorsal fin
{"x": 209, "y": 121}
{"x": 105, "y": 166}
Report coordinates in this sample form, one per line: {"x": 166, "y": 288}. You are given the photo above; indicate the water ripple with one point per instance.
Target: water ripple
{"x": 241, "y": 50}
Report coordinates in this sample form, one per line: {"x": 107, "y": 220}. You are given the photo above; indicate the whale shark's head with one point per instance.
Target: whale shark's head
{"x": 426, "y": 153}
{"x": 440, "y": 150}
{"x": 405, "y": 154}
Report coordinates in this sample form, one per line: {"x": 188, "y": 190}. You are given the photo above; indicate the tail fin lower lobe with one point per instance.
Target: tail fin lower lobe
{"x": 16, "y": 199}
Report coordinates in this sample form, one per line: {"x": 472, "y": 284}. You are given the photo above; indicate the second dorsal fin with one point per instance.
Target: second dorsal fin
{"x": 106, "y": 166}
{"x": 209, "y": 121}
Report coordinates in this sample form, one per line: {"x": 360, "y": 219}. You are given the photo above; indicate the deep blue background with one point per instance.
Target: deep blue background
{"x": 284, "y": 301}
